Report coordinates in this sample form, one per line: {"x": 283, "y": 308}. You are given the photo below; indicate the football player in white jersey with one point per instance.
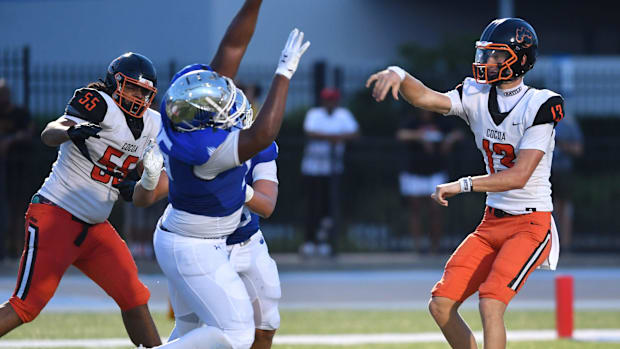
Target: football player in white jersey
{"x": 102, "y": 136}
{"x": 513, "y": 125}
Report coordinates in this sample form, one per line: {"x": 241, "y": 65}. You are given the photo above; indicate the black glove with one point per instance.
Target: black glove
{"x": 80, "y": 132}
{"x": 127, "y": 185}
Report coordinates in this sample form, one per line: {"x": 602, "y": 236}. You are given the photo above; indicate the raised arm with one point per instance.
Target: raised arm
{"x": 397, "y": 80}
{"x": 268, "y": 121}
{"x": 232, "y": 47}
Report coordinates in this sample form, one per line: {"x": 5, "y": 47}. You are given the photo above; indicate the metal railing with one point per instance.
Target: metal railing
{"x": 372, "y": 211}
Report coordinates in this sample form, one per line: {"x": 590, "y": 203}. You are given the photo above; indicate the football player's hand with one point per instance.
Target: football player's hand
{"x": 78, "y": 133}
{"x": 152, "y": 159}
{"x": 385, "y": 81}
{"x": 153, "y": 162}
{"x": 127, "y": 185}
{"x": 289, "y": 59}
{"x": 444, "y": 191}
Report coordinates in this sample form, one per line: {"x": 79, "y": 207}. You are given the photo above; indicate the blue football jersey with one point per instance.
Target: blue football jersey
{"x": 249, "y": 220}
{"x": 218, "y": 197}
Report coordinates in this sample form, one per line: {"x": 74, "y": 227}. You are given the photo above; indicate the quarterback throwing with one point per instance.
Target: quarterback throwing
{"x": 513, "y": 125}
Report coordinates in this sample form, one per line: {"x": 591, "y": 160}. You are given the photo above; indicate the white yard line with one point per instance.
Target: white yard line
{"x": 598, "y": 335}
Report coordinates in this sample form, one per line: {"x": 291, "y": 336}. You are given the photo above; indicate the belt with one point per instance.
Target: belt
{"x": 40, "y": 199}
{"x": 162, "y": 227}
{"x": 252, "y": 237}
{"x": 499, "y": 213}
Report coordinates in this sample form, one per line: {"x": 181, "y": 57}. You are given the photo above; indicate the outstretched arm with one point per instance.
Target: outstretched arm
{"x": 232, "y": 47}
{"x": 396, "y": 80}
{"x": 268, "y": 121}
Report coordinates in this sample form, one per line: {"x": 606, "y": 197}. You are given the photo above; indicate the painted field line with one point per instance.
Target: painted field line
{"x": 598, "y": 335}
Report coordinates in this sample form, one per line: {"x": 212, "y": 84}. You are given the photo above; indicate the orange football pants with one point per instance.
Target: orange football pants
{"x": 54, "y": 241}
{"x": 497, "y": 258}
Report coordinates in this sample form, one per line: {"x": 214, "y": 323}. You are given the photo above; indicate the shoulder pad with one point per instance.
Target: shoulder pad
{"x": 459, "y": 88}
{"x": 470, "y": 87}
{"x": 87, "y": 104}
{"x": 550, "y": 111}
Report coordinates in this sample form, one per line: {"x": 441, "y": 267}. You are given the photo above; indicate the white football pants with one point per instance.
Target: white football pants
{"x": 259, "y": 273}
{"x": 210, "y": 302}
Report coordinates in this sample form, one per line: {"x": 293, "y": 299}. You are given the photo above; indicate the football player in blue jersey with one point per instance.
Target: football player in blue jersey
{"x": 248, "y": 250}
{"x": 207, "y": 137}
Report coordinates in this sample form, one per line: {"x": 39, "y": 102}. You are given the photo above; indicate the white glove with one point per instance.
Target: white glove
{"x": 292, "y": 53}
{"x": 153, "y": 162}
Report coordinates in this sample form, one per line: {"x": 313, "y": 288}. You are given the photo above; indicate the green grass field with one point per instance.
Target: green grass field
{"x": 109, "y": 325}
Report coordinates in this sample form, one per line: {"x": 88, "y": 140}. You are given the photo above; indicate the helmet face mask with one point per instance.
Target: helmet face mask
{"x": 506, "y": 50}
{"x": 132, "y": 81}
{"x": 204, "y": 99}
{"x": 133, "y": 96}
{"x": 493, "y": 62}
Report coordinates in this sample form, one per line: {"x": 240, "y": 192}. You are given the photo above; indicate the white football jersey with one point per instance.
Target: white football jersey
{"x": 500, "y": 137}
{"x": 78, "y": 185}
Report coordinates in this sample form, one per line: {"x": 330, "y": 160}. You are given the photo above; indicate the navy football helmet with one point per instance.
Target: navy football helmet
{"x": 501, "y": 50}
{"x": 127, "y": 74}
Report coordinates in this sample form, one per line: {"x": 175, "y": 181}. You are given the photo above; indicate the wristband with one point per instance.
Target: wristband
{"x": 249, "y": 193}
{"x": 147, "y": 182}
{"x": 467, "y": 184}
{"x": 398, "y": 70}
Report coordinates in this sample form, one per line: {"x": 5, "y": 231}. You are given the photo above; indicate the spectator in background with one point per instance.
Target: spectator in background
{"x": 569, "y": 146}
{"x": 16, "y": 134}
{"x": 328, "y": 128}
{"x": 429, "y": 139}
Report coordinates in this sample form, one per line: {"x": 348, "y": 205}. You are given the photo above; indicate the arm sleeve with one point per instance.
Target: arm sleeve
{"x": 537, "y": 137}
{"x": 87, "y": 104}
{"x": 266, "y": 171}
{"x": 456, "y": 100}
{"x": 225, "y": 157}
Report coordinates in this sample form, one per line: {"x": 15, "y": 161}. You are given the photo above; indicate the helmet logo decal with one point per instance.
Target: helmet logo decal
{"x": 524, "y": 36}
